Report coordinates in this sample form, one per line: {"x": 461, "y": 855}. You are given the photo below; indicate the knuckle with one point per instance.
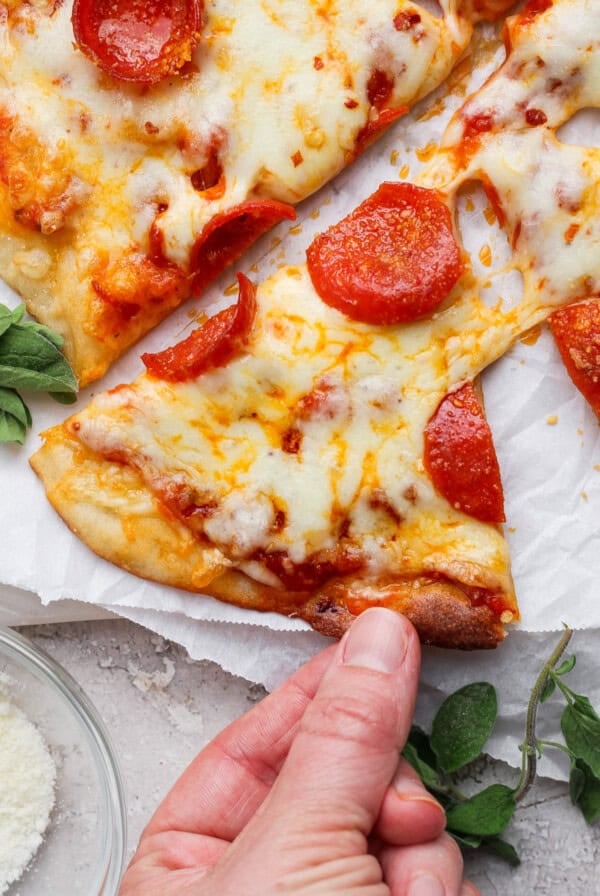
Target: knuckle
{"x": 360, "y": 718}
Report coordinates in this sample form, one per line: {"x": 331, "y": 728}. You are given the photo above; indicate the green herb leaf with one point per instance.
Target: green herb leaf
{"x": 6, "y": 319}
{"x": 583, "y": 705}
{"x": 503, "y": 849}
{"x": 463, "y": 724}
{"x": 15, "y": 418}
{"x": 421, "y": 742}
{"x": 582, "y": 735}
{"x": 588, "y": 798}
{"x": 30, "y": 360}
{"x": 464, "y": 841}
{"x": 566, "y": 666}
{"x": 64, "y": 397}
{"x": 428, "y": 775}
{"x": 547, "y": 690}
{"x": 485, "y": 814}
{"x": 17, "y": 314}
{"x": 55, "y": 338}
{"x": 576, "y": 783}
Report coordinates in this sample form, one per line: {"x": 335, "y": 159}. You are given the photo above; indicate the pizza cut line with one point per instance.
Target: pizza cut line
{"x": 144, "y": 146}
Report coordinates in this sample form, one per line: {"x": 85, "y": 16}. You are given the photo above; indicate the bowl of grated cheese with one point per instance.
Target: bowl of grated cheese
{"x": 62, "y": 808}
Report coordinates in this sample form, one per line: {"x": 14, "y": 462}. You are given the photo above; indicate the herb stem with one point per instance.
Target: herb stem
{"x": 529, "y": 745}
{"x": 553, "y": 743}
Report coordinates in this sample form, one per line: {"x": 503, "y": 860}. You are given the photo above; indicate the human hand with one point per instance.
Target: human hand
{"x": 305, "y": 795}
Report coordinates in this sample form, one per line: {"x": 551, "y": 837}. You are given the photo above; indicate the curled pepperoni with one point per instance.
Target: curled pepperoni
{"x": 138, "y": 40}
{"x": 576, "y": 331}
{"x": 460, "y": 457}
{"x": 229, "y": 234}
{"x": 212, "y": 345}
{"x": 392, "y": 260}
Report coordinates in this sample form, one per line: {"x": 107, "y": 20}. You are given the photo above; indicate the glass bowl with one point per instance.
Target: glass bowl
{"x": 83, "y": 850}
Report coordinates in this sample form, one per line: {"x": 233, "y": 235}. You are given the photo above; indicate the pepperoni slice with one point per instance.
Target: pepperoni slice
{"x": 138, "y": 40}
{"x": 212, "y": 345}
{"x": 229, "y": 234}
{"x": 392, "y": 260}
{"x": 460, "y": 457}
{"x": 576, "y": 330}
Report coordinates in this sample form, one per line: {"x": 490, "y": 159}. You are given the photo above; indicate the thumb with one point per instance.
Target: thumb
{"x": 347, "y": 746}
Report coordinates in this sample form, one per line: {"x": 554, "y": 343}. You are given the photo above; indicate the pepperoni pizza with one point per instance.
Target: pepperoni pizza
{"x": 320, "y": 446}
{"x": 144, "y": 144}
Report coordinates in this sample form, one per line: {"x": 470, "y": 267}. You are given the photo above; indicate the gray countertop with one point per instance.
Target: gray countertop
{"x": 161, "y": 708}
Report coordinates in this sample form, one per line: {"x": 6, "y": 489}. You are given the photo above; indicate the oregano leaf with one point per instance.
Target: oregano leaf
{"x": 583, "y": 705}
{"x": 547, "y": 690}
{"x": 486, "y": 814}
{"x": 588, "y": 798}
{"x": 6, "y": 319}
{"x": 29, "y": 360}
{"x": 428, "y": 775}
{"x": 566, "y": 666}
{"x": 576, "y": 783}
{"x": 582, "y": 736}
{"x": 15, "y": 418}
{"x": 466, "y": 841}
{"x": 503, "y": 850}
{"x": 463, "y": 724}
{"x": 421, "y": 742}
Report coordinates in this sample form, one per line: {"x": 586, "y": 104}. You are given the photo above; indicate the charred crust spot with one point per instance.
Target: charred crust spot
{"x": 326, "y": 605}
{"x": 151, "y": 128}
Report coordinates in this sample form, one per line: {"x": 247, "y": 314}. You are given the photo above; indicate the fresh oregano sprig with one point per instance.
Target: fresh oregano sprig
{"x": 460, "y": 730}
{"x": 30, "y": 359}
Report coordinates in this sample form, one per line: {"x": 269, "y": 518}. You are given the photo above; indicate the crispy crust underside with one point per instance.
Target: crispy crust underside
{"x": 109, "y": 508}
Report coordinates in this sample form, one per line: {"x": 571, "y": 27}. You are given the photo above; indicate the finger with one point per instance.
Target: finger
{"x": 408, "y": 814}
{"x": 469, "y": 889}
{"x": 346, "y": 748}
{"x": 429, "y": 869}
{"x": 227, "y": 782}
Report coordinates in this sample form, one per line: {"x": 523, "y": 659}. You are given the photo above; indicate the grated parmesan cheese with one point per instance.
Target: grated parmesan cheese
{"x": 27, "y": 779}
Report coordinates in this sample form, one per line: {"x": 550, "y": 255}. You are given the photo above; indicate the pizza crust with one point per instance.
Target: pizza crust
{"x": 108, "y": 506}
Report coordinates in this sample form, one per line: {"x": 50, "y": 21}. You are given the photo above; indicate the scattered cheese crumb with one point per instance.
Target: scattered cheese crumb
{"x": 552, "y": 420}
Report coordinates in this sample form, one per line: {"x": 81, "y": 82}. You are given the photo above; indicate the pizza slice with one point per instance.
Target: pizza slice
{"x": 319, "y": 446}
{"x": 545, "y": 192}
{"x": 144, "y": 146}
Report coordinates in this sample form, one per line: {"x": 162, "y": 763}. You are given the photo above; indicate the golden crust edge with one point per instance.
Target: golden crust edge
{"x": 148, "y": 543}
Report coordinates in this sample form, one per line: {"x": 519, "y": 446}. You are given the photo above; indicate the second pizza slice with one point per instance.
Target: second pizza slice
{"x": 318, "y": 447}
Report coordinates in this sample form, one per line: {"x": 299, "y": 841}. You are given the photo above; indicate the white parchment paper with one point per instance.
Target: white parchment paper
{"x": 548, "y": 442}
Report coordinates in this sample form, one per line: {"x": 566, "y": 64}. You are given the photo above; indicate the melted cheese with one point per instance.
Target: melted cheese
{"x": 358, "y": 396}
{"x": 281, "y": 93}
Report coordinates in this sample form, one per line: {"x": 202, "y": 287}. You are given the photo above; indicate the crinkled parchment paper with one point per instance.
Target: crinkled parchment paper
{"x": 548, "y": 443}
